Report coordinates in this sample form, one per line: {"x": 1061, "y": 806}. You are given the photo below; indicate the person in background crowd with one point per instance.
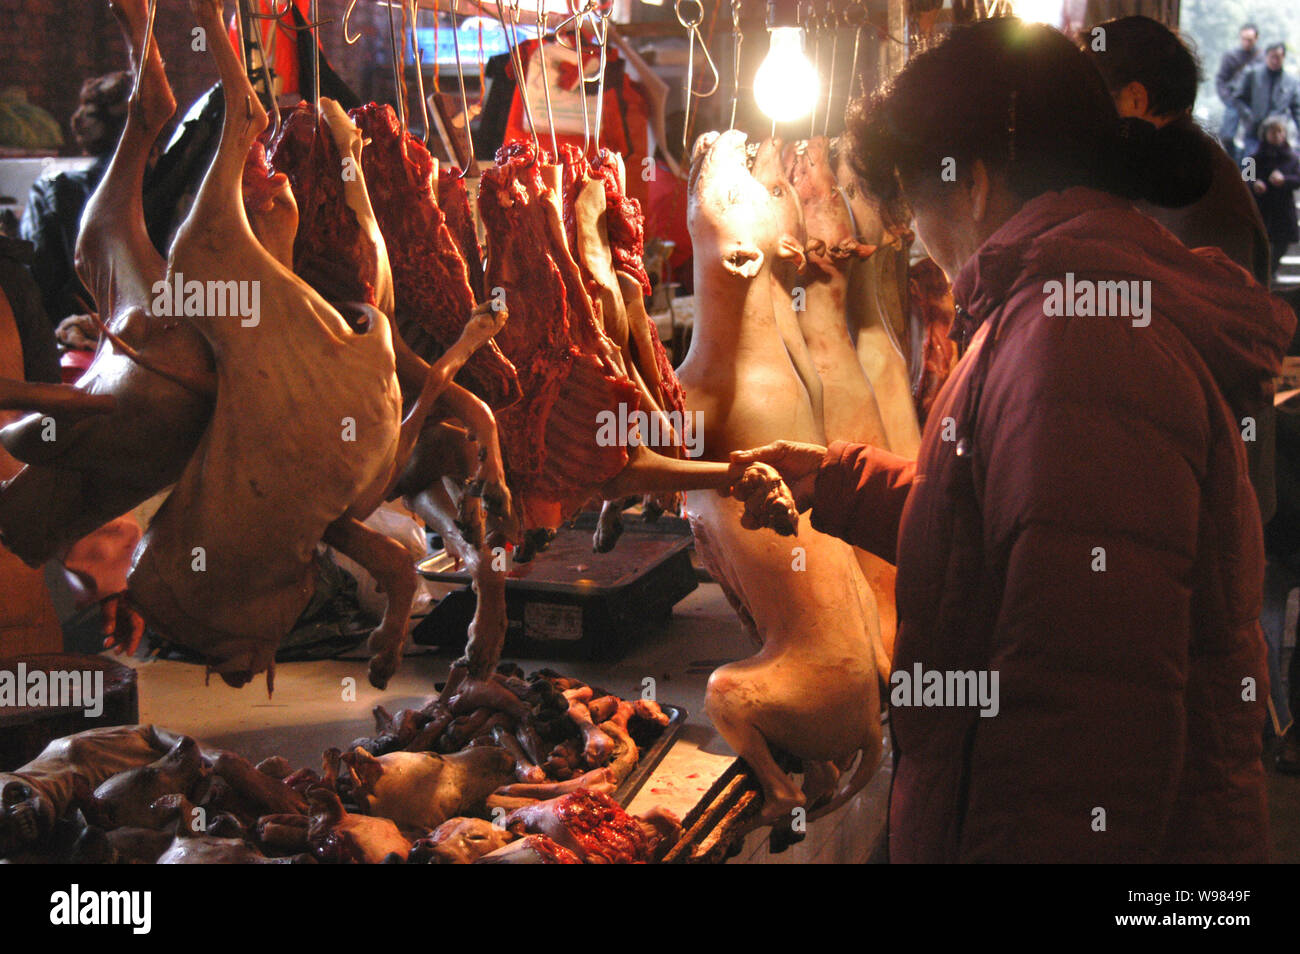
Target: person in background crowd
{"x": 1153, "y": 76}
{"x": 53, "y": 215}
{"x": 1080, "y": 498}
{"x": 1277, "y": 176}
{"x": 1267, "y": 90}
{"x": 1225, "y": 83}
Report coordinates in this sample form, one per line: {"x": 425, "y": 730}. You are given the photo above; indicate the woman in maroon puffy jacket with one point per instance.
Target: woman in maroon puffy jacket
{"x": 1079, "y": 521}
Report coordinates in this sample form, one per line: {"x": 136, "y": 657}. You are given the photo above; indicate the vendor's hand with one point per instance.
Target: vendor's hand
{"x": 78, "y": 332}
{"x": 1276, "y": 177}
{"x": 1259, "y": 187}
{"x": 121, "y": 625}
{"x": 797, "y": 464}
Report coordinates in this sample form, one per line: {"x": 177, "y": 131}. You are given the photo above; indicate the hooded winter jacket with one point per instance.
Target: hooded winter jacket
{"x": 1079, "y": 522}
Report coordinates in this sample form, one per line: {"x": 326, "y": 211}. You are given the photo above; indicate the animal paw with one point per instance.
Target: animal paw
{"x": 157, "y": 104}
{"x": 768, "y": 501}
{"x": 484, "y": 322}
{"x": 121, "y": 625}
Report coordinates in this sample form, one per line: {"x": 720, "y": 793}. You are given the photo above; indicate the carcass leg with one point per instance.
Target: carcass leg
{"x": 487, "y": 631}
{"x": 387, "y": 561}
{"x": 113, "y": 246}
{"x": 484, "y": 322}
{"x": 736, "y": 703}
{"x": 489, "y": 480}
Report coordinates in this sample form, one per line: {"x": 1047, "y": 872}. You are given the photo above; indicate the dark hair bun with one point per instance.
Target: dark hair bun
{"x": 1171, "y": 166}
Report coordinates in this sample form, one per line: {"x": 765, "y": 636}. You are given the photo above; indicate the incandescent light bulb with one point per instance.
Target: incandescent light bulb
{"x": 786, "y": 85}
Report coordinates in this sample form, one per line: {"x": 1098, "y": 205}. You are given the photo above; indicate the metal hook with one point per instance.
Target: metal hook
{"x": 574, "y": 15}
{"x": 288, "y": 9}
{"x": 735, "y": 61}
{"x": 817, "y": 64}
{"x": 517, "y": 61}
{"x": 464, "y": 97}
{"x": 601, "y": 28}
{"x": 544, "y": 25}
{"x": 144, "y": 55}
{"x": 830, "y": 81}
{"x": 419, "y": 67}
{"x": 855, "y": 17}
{"x": 397, "y": 68}
{"x": 347, "y": 23}
{"x": 255, "y": 35}
{"x": 692, "y": 25}
{"x": 314, "y": 13}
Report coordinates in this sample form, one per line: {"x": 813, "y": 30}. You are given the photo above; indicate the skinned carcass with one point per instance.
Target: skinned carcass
{"x": 306, "y": 436}
{"x": 811, "y": 690}
{"x": 877, "y": 312}
{"x": 156, "y": 369}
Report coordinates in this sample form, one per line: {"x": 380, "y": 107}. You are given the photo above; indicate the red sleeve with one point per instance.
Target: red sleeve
{"x": 859, "y": 496}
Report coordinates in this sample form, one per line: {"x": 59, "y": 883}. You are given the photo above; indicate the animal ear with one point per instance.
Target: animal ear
{"x": 791, "y": 251}
{"x": 367, "y": 768}
{"x": 744, "y": 261}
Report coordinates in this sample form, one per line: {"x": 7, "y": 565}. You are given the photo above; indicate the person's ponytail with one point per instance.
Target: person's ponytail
{"x": 1169, "y": 166}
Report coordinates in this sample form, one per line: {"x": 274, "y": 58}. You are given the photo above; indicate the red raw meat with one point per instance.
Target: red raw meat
{"x": 552, "y": 457}
{"x": 626, "y": 224}
{"x": 453, "y": 199}
{"x": 430, "y": 277}
{"x": 593, "y": 826}
{"x": 327, "y": 251}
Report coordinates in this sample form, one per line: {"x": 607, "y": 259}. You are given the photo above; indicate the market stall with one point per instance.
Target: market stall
{"x": 453, "y": 379}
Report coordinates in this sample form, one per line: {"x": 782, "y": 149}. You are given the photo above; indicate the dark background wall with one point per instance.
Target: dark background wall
{"x": 48, "y": 47}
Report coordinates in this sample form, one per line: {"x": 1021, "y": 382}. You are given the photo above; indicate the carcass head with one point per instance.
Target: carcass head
{"x": 826, "y": 214}
{"x": 24, "y": 816}
{"x": 867, "y": 221}
{"x": 741, "y": 208}
{"x": 460, "y": 841}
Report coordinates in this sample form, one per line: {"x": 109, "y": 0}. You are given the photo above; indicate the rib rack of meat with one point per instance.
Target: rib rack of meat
{"x": 431, "y": 278}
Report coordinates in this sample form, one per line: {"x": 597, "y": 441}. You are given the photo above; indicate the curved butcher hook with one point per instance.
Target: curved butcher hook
{"x": 419, "y": 70}
{"x": 278, "y": 14}
{"x": 347, "y": 24}
{"x": 144, "y": 57}
{"x": 692, "y": 25}
{"x": 464, "y": 98}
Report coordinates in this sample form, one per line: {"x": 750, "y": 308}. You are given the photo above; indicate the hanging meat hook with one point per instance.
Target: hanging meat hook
{"x": 830, "y": 81}
{"x": 692, "y": 25}
{"x": 347, "y": 24}
{"x": 517, "y": 61}
{"x": 542, "y": 26}
{"x": 419, "y": 68}
{"x": 464, "y": 98}
{"x": 735, "y": 61}
{"x": 398, "y": 53}
{"x": 144, "y": 56}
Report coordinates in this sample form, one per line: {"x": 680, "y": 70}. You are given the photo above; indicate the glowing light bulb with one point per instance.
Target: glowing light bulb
{"x": 1039, "y": 11}
{"x": 786, "y": 85}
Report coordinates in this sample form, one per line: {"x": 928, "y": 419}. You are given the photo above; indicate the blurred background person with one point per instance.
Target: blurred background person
{"x": 1267, "y": 90}
{"x": 1225, "y": 83}
{"x": 53, "y": 214}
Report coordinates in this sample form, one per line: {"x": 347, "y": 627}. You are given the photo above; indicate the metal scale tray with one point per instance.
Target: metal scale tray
{"x": 572, "y": 603}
